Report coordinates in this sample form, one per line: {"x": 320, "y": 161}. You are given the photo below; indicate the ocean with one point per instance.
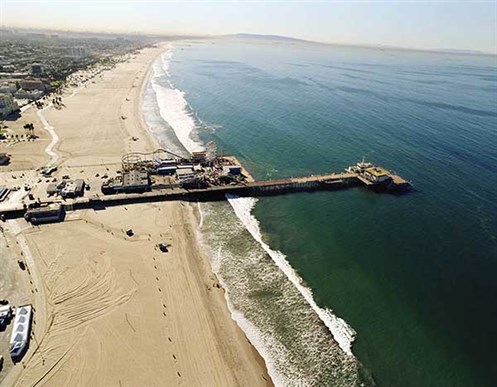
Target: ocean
{"x": 348, "y": 287}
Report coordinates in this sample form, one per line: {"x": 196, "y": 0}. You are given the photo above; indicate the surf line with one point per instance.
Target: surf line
{"x": 173, "y": 106}
{"x": 201, "y": 223}
{"x": 343, "y": 333}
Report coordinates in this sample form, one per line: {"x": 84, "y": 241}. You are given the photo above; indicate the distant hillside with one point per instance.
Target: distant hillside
{"x": 266, "y": 37}
{"x": 279, "y": 38}
{"x": 456, "y": 51}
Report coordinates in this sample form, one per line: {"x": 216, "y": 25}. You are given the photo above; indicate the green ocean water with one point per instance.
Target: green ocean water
{"x": 412, "y": 275}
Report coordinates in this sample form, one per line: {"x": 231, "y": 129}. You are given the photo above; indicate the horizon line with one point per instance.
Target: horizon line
{"x": 256, "y": 35}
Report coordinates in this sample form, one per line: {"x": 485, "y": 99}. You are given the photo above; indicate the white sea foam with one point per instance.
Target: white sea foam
{"x": 265, "y": 344}
{"x": 260, "y": 342}
{"x": 174, "y": 108}
{"x": 343, "y": 334}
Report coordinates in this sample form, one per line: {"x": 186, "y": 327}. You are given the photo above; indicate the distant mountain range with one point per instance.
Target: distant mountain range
{"x": 267, "y": 37}
{"x": 455, "y": 51}
{"x": 288, "y": 39}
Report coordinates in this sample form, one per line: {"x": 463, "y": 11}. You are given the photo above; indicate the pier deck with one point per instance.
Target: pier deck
{"x": 333, "y": 181}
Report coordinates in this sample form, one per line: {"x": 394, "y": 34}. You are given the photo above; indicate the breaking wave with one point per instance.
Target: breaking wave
{"x": 173, "y": 107}
{"x": 343, "y": 333}
{"x": 295, "y": 343}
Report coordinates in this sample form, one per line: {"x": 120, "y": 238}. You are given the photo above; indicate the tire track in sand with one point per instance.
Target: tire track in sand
{"x": 81, "y": 291}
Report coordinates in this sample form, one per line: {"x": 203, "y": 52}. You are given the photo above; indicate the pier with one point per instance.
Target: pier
{"x": 353, "y": 177}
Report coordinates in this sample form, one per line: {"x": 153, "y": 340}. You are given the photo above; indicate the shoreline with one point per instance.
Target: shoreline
{"x": 196, "y": 219}
{"x": 76, "y": 152}
{"x": 341, "y": 334}
{"x": 196, "y": 216}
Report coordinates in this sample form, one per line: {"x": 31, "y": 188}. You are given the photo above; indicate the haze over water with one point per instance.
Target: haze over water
{"x": 414, "y": 275}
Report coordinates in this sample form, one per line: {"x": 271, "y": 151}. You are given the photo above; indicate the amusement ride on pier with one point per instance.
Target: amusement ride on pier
{"x": 163, "y": 175}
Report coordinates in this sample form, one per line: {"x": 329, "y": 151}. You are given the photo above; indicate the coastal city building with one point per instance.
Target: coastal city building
{"x": 8, "y": 87}
{"x": 33, "y": 84}
{"x": 7, "y": 105}
{"x": 30, "y": 95}
{"x": 37, "y": 69}
{"x": 78, "y": 52}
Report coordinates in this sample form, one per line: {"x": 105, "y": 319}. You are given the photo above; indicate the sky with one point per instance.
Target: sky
{"x": 417, "y": 24}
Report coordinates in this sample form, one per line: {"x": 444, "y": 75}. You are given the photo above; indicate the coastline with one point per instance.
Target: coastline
{"x": 247, "y": 285}
{"x": 221, "y": 354}
{"x": 195, "y": 218}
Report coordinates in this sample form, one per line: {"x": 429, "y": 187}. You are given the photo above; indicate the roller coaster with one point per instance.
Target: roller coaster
{"x": 145, "y": 161}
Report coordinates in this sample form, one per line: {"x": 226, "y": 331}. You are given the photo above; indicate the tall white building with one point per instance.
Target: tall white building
{"x": 7, "y": 105}
{"x": 78, "y": 52}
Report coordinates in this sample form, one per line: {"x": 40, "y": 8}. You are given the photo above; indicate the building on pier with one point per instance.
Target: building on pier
{"x": 185, "y": 174}
{"x": 376, "y": 175}
{"x": 73, "y": 189}
{"x": 130, "y": 181}
{"x": 166, "y": 170}
{"x": 199, "y": 157}
{"x": 232, "y": 170}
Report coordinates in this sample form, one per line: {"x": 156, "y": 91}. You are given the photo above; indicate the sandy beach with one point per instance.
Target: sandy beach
{"x": 112, "y": 309}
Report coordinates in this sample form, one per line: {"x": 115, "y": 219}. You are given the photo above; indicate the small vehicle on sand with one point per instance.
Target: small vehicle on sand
{"x": 163, "y": 247}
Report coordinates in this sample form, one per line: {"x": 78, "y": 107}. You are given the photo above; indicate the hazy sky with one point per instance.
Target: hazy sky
{"x": 411, "y": 24}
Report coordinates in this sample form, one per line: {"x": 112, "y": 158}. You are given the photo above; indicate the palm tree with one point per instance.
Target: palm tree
{"x": 30, "y": 129}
